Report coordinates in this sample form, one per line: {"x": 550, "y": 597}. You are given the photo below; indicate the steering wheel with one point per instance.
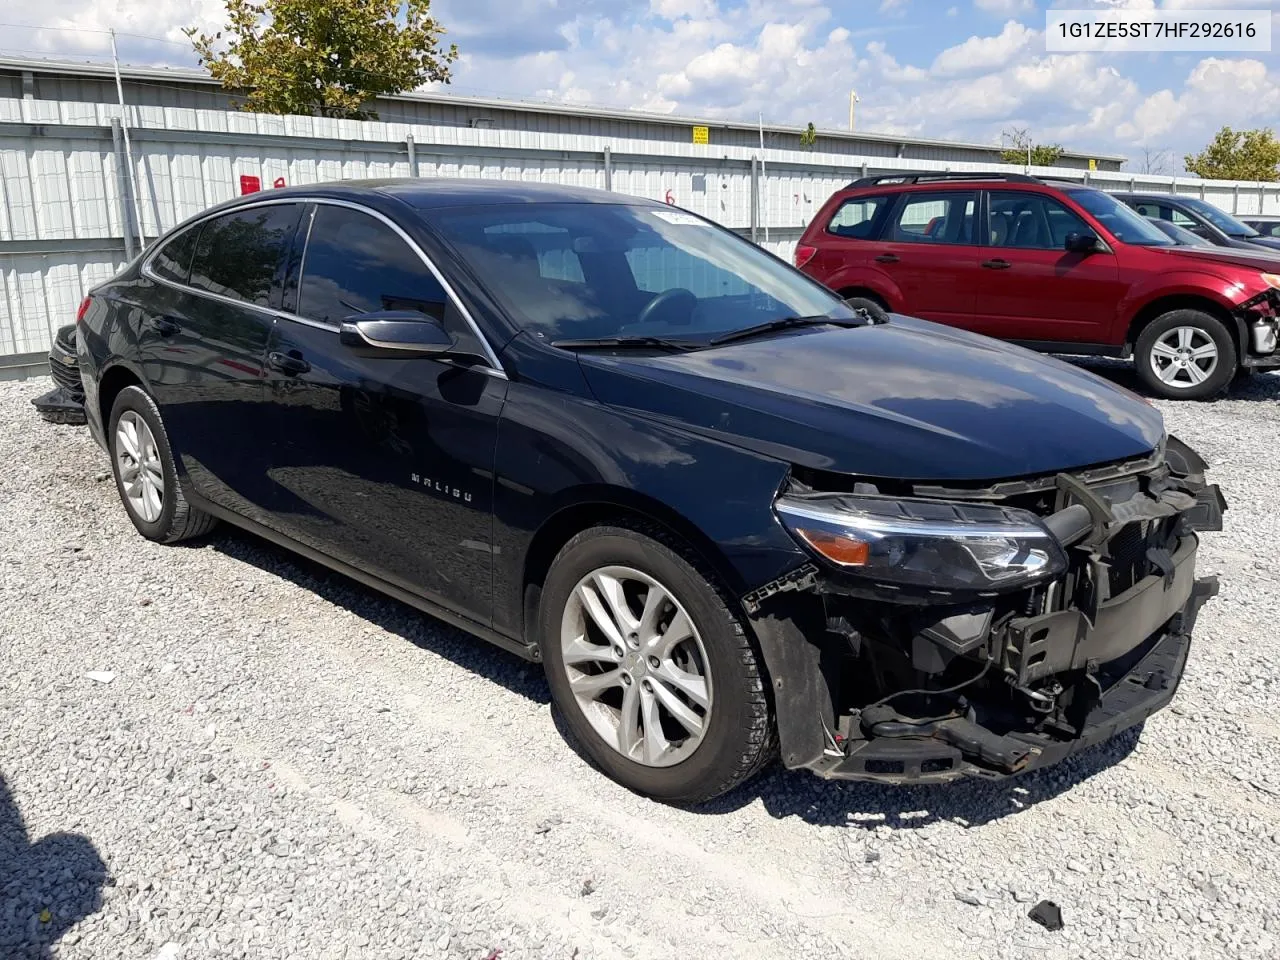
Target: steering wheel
{"x": 678, "y": 303}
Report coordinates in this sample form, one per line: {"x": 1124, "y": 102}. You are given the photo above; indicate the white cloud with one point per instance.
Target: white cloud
{"x": 985, "y": 53}
{"x": 1005, "y": 8}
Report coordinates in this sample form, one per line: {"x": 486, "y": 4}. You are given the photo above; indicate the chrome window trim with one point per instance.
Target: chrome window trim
{"x": 495, "y": 366}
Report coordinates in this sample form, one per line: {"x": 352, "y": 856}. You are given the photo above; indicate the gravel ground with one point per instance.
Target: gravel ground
{"x": 285, "y": 764}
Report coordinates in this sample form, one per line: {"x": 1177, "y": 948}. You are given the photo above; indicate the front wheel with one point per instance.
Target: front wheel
{"x": 653, "y": 673}
{"x": 1186, "y": 355}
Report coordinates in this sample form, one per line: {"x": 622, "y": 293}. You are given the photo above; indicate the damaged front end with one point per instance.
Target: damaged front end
{"x": 951, "y": 631}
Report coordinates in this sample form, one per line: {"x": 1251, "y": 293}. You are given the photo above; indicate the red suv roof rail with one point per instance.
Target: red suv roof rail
{"x": 930, "y": 177}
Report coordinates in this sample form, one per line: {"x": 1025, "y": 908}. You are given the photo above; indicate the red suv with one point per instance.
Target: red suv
{"x": 1054, "y": 266}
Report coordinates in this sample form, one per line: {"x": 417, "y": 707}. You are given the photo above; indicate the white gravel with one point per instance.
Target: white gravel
{"x": 286, "y": 764}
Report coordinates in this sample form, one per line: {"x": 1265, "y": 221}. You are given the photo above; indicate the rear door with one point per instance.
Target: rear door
{"x": 203, "y": 347}
{"x": 382, "y": 462}
{"x": 929, "y": 251}
{"x": 1034, "y": 289}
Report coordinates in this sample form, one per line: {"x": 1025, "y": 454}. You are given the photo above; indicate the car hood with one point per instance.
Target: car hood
{"x": 908, "y": 399}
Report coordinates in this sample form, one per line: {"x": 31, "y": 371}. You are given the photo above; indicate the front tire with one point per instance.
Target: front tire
{"x": 146, "y": 476}
{"x": 656, "y": 677}
{"x": 1185, "y": 355}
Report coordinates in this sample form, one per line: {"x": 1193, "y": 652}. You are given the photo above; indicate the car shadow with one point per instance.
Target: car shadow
{"x": 421, "y": 629}
{"x": 1263, "y": 385}
{"x": 46, "y": 887}
{"x": 968, "y": 802}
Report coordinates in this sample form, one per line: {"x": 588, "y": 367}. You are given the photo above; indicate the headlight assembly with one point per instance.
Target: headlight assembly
{"x": 925, "y": 543}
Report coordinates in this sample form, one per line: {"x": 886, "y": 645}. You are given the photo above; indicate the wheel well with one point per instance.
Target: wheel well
{"x": 113, "y": 381}
{"x": 570, "y": 521}
{"x": 1158, "y": 308}
{"x": 863, "y": 292}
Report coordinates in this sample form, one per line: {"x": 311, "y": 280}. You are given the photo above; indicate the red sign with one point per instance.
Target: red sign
{"x": 278, "y": 183}
{"x": 249, "y": 184}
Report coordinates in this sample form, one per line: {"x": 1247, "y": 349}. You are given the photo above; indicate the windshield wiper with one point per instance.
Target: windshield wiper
{"x": 784, "y": 323}
{"x": 628, "y": 343}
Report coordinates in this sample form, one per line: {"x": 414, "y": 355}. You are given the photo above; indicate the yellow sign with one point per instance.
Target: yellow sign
{"x": 1093, "y": 164}
{"x": 701, "y": 135}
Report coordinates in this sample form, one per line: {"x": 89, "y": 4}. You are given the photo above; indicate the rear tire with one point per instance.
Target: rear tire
{"x": 705, "y": 696}
{"x": 146, "y": 476}
{"x": 875, "y": 310}
{"x": 1185, "y": 355}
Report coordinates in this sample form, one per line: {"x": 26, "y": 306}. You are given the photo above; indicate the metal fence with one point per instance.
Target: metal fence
{"x": 71, "y": 215}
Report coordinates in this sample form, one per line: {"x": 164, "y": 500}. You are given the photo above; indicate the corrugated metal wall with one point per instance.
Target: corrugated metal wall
{"x": 62, "y": 183}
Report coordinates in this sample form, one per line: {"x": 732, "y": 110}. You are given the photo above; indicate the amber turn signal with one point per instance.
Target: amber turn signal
{"x": 836, "y": 548}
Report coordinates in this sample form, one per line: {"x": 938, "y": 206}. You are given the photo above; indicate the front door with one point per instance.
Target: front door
{"x": 384, "y": 463}
{"x": 929, "y": 252}
{"x": 1034, "y": 289}
{"x": 203, "y": 346}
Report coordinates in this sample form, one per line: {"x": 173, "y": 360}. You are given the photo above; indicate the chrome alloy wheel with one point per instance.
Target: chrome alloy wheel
{"x": 1183, "y": 357}
{"x": 636, "y": 666}
{"x": 141, "y": 473}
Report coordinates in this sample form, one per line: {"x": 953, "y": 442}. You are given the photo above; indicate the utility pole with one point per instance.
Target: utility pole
{"x": 131, "y": 207}
{"x": 854, "y": 100}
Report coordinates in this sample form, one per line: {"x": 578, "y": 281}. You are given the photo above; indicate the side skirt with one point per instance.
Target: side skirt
{"x": 1074, "y": 349}
{"x": 525, "y": 651}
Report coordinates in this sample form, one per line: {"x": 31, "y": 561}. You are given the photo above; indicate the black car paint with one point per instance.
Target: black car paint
{"x": 445, "y": 484}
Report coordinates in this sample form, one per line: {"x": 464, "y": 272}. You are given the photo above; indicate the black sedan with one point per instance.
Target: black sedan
{"x": 729, "y": 514}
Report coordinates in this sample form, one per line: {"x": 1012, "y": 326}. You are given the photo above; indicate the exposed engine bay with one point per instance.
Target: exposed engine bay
{"x": 987, "y": 630}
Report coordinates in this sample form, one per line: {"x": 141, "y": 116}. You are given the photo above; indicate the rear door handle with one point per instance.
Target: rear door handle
{"x": 997, "y": 263}
{"x": 887, "y": 258}
{"x": 287, "y": 364}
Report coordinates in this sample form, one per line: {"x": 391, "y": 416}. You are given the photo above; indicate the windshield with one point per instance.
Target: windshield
{"x": 1223, "y": 221}
{"x": 1184, "y": 238}
{"x": 591, "y": 270}
{"x": 1124, "y": 224}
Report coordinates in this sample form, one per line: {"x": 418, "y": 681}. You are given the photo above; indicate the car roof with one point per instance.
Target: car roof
{"x": 1175, "y": 197}
{"x": 434, "y": 192}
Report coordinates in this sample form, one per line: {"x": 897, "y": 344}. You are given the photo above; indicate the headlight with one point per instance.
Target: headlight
{"x": 926, "y": 543}
{"x": 1271, "y": 280}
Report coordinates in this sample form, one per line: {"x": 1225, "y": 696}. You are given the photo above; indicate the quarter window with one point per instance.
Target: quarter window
{"x": 173, "y": 260}
{"x": 1031, "y": 222}
{"x": 935, "y": 218}
{"x": 856, "y": 218}
{"x": 239, "y": 254}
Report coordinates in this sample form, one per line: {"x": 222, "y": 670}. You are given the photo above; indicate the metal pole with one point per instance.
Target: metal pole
{"x": 413, "y": 154}
{"x": 128, "y": 150}
{"x": 608, "y": 169}
{"x": 755, "y": 199}
{"x": 764, "y": 205}
{"x": 1235, "y": 199}
{"x": 126, "y": 220}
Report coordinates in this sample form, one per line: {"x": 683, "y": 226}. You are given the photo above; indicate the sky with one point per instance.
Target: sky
{"x": 946, "y": 69}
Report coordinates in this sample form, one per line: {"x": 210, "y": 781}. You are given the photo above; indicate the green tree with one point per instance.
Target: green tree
{"x": 1237, "y": 155}
{"x": 326, "y": 58}
{"x": 1018, "y": 140}
{"x": 809, "y": 136}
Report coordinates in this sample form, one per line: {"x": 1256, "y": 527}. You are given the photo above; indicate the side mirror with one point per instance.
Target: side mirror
{"x": 1086, "y": 242}
{"x": 402, "y": 333}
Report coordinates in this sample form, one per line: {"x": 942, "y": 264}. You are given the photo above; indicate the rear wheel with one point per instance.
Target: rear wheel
{"x": 657, "y": 679}
{"x": 873, "y": 309}
{"x": 146, "y": 476}
{"x": 1186, "y": 355}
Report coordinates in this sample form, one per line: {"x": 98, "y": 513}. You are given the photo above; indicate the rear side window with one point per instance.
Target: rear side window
{"x": 173, "y": 260}
{"x": 857, "y": 217}
{"x": 935, "y": 218}
{"x": 356, "y": 264}
{"x": 239, "y": 254}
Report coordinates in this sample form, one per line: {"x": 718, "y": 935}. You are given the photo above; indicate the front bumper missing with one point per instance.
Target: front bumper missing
{"x": 1144, "y": 688}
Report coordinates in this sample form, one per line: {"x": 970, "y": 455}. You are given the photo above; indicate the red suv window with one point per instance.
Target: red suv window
{"x": 857, "y": 217}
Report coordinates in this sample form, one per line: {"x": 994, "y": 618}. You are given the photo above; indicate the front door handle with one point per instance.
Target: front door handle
{"x": 287, "y": 363}
{"x": 997, "y": 263}
{"x": 887, "y": 258}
